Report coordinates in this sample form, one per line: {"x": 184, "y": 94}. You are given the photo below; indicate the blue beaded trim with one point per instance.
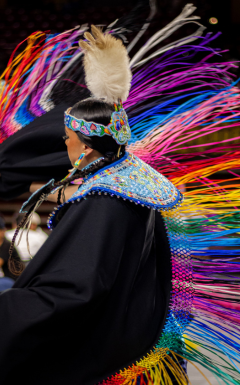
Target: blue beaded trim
{"x": 132, "y": 179}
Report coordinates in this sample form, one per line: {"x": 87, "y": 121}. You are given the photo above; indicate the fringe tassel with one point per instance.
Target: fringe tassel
{"x": 175, "y": 102}
{"x": 159, "y": 367}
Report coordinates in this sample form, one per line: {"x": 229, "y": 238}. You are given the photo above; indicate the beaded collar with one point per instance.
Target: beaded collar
{"x": 132, "y": 179}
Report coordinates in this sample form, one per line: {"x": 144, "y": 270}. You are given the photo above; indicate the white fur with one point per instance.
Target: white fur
{"x": 106, "y": 65}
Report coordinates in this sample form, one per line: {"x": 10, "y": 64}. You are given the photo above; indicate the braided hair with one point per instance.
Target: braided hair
{"x": 91, "y": 110}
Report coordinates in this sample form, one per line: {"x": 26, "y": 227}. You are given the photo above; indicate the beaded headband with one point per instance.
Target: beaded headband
{"x": 118, "y": 127}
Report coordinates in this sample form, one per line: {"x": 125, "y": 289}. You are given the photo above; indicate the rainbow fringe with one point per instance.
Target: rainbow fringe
{"x": 175, "y": 105}
{"x": 180, "y": 98}
{"x": 32, "y": 74}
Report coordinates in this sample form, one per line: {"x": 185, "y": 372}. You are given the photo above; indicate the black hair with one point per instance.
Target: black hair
{"x": 16, "y": 218}
{"x": 97, "y": 111}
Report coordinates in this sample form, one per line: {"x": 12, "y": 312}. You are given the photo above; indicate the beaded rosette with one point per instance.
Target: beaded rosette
{"x": 118, "y": 128}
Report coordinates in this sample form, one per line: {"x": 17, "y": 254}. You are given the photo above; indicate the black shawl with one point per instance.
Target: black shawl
{"x": 35, "y": 153}
{"x": 92, "y": 301}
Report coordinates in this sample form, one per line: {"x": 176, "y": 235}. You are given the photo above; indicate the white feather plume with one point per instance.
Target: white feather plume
{"x": 106, "y": 65}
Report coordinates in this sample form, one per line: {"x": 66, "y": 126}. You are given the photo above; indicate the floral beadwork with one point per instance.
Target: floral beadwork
{"x": 86, "y": 128}
{"x": 118, "y": 128}
{"x": 132, "y": 179}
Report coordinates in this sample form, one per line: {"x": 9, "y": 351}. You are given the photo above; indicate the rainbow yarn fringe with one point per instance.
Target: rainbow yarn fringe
{"x": 180, "y": 98}
{"x": 32, "y": 74}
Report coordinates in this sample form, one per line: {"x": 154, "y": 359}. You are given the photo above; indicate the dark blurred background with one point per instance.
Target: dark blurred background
{"x": 18, "y": 19}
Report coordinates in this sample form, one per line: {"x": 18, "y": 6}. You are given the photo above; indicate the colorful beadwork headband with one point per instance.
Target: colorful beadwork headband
{"x": 118, "y": 127}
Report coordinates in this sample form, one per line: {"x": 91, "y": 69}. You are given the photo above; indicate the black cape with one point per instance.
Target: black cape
{"x": 35, "y": 153}
{"x": 92, "y": 301}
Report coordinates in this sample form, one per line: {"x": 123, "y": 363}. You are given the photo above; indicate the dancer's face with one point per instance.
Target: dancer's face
{"x": 74, "y": 146}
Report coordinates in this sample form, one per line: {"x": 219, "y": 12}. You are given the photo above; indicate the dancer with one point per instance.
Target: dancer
{"x": 126, "y": 304}
{"x": 104, "y": 274}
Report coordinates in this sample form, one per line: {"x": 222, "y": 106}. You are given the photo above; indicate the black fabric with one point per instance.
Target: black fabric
{"x": 4, "y": 254}
{"x": 92, "y": 301}
{"x": 35, "y": 153}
